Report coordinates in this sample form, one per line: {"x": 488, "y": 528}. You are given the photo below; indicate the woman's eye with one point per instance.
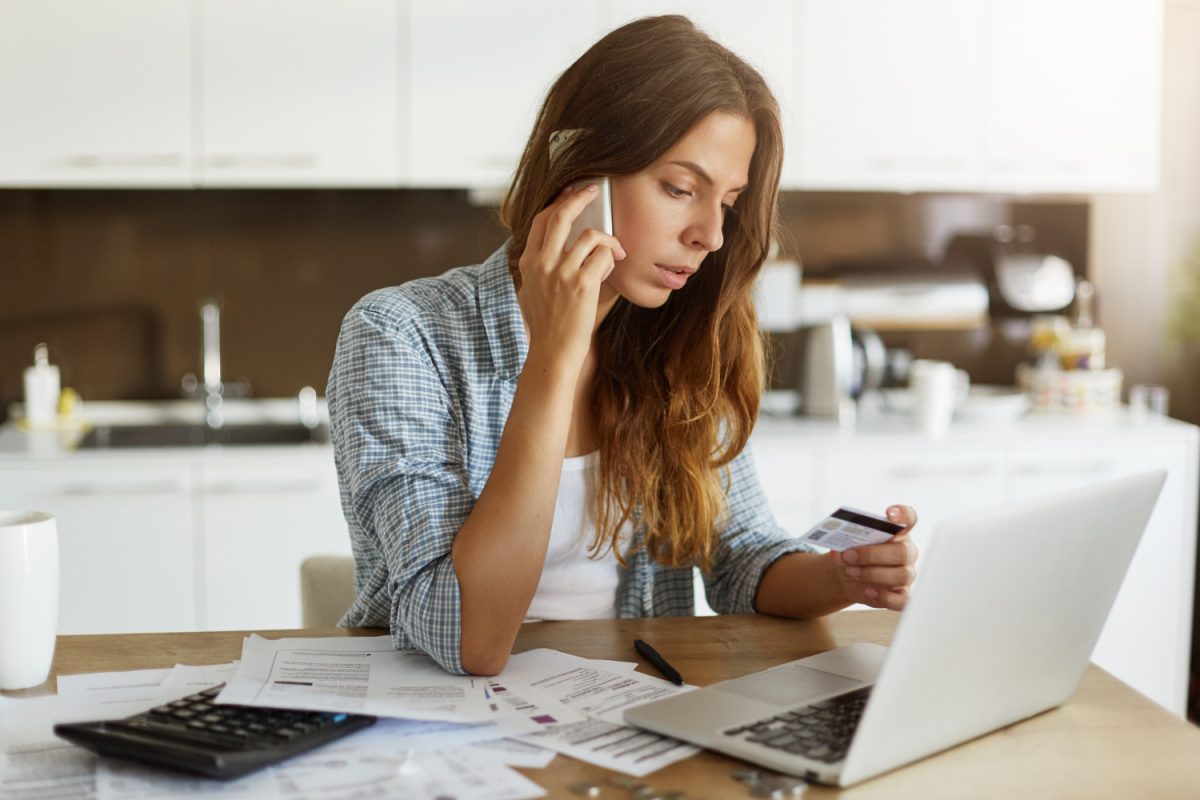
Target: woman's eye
{"x": 675, "y": 191}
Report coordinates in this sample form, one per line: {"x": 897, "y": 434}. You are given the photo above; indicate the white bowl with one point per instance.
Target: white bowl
{"x": 993, "y": 404}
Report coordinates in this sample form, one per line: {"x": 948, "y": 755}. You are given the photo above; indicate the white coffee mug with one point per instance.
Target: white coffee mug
{"x": 938, "y": 388}
{"x": 28, "y": 597}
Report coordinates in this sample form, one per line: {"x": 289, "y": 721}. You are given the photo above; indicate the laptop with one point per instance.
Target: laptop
{"x": 1000, "y": 626}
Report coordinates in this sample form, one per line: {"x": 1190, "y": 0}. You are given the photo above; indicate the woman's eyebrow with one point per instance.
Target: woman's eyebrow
{"x": 696, "y": 168}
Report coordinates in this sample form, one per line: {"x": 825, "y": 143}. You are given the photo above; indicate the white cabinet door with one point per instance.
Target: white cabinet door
{"x": 125, "y": 541}
{"x": 759, "y": 32}
{"x": 891, "y": 93}
{"x": 939, "y": 481}
{"x": 479, "y": 73}
{"x": 1145, "y": 641}
{"x": 1074, "y": 93}
{"x": 298, "y": 93}
{"x": 95, "y": 94}
{"x": 263, "y": 515}
{"x": 786, "y": 471}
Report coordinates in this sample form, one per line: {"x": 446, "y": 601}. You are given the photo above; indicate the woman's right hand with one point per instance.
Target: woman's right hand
{"x": 560, "y": 290}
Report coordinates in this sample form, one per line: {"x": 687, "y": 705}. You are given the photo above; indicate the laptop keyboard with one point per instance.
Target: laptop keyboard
{"x": 821, "y": 731}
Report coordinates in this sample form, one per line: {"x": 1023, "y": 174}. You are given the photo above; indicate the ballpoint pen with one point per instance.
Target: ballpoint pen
{"x": 659, "y": 663}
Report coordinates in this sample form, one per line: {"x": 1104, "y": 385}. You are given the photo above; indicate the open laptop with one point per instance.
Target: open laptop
{"x": 1000, "y": 626}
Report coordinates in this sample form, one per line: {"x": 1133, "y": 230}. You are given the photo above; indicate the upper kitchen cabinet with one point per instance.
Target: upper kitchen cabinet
{"x": 890, "y": 94}
{"x": 95, "y": 93}
{"x": 759, "y": 32}
{"x": 298, "y": 93}
{"x": 979, "y": 95}
{"x": 1074, "y": 95}
{"x": 479, "y": 73}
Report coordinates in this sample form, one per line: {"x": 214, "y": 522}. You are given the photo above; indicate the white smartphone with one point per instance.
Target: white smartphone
{"x": 598, "y": 213}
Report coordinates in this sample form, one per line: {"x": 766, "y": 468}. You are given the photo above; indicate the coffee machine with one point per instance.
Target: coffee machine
{"x": 1023, "y": 276}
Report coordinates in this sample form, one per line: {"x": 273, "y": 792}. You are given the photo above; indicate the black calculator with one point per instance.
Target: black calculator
{"x": 195, "y": 735}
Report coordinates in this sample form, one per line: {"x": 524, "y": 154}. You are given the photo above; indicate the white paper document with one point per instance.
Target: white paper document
{"x": 438, "y": 734}
{"x": 602, "y": 695}
{"x": 354, "y": 674}
{"x": 582, "y": 686}
{"x": 514, "y": 753}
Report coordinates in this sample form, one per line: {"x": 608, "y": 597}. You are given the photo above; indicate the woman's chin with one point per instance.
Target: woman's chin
{"x": 643, "y": 295}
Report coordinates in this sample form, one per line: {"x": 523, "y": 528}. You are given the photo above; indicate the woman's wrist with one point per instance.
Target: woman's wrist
{"x": 554, "y": 365}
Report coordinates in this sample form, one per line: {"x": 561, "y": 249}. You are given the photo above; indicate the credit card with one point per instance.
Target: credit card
{"x": 849, "y": 527}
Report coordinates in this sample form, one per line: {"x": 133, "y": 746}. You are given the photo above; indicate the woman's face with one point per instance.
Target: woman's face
{"x": 669, "y": 216}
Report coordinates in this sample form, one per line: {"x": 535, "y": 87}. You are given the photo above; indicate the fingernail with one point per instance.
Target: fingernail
{"x": 593, "y": 187}
{"x": 894, "y": 512}
{"x": 871, "y": 593}
{"x": 850, "y": 557}
{"x": 620, "y": 251}
{"x": 854, "y": 572}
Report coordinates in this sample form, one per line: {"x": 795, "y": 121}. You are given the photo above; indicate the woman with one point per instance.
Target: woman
{"x": 561, "y": 433}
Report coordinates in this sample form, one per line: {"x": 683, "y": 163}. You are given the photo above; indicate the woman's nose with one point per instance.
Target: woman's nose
{"x": 707, "y": 232}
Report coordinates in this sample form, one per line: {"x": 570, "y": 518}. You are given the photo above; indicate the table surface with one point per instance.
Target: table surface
{"x": 1108, "y": 741}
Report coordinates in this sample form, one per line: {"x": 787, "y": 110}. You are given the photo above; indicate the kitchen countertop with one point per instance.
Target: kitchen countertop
{"x": 16, "y": 443}
{"x": 872, "y": 424}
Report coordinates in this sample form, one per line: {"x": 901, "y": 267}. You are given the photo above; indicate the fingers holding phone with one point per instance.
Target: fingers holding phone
{"x": 565, "y": 260}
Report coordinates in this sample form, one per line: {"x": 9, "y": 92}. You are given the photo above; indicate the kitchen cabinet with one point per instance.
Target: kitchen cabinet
{"x": 126, "y": 552}
{"x": 261, "y": 517}
{"x": 479, "y": 73}
{"x": 928, "y": 95}
{"x": 981, "y": 95}
{"x": 938, "y": 482}
{"x": 96, "y": 93}
{"x": 298, "y": 93}
{"x": 179, "y": 540}
{"x": 1074, "y": 95}
{"x": 889, "y": 94}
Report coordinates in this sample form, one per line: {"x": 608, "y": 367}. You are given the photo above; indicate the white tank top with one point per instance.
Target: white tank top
{"x": 572, "y": 585}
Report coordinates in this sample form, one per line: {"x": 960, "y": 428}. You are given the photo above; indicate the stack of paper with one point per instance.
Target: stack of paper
{"x": 439, "y": 734}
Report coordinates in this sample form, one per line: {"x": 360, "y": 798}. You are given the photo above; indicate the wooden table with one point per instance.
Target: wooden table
{"x": 1107, "y": 742}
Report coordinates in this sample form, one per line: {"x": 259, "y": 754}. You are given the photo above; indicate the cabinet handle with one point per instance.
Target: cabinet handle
{"x": 1071, "y": 468}
{"x": 121, "y": 489}
{"x": 122, "y": 161}
{"x": 926, "y": 164}
{"x": 281, "y": 487}
{"x": 914, "y": 472}
{"x": 282, "y": 161}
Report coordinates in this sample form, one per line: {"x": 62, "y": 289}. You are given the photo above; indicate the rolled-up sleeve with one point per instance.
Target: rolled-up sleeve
{"x": 405, "y": 486}
{"x": 750, "y": 541}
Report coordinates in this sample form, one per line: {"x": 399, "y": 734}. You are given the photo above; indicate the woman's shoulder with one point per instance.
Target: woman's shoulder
{"x": 423, "y": 301}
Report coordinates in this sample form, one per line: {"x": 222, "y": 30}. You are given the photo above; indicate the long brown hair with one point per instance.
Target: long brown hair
{"x": 676, "y": 388}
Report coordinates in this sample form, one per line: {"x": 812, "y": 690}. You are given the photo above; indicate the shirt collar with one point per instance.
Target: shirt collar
{"x": 502, "y": 316}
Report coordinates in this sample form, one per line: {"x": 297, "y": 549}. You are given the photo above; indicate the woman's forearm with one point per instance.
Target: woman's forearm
{"x": 802, "y": 586}
{"x": 499, "y": 551}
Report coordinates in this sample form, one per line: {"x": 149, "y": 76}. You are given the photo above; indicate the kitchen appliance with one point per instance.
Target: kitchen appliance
{"x": 828, "y": 368}
{"x": 841, "y": 362}
{"x": 910, "y": 294}
{"x": 1023, "y": 276}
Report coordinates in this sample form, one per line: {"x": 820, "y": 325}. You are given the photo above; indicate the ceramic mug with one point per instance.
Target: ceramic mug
{"x": 28, "y": 597}
{"x": 938, "y": 388}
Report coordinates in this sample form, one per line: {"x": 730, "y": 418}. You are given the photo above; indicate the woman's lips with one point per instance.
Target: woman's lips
{"x": 671, "y": 279}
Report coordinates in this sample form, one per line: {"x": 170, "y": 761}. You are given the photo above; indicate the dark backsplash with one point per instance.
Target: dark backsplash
{"x": 113, "y": 280}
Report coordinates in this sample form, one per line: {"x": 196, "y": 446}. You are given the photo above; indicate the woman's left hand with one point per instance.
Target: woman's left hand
{"x": 880, "y": 575}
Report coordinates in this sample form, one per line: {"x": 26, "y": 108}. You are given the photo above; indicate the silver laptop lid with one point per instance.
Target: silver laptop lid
{"x": 1003, "y": 620}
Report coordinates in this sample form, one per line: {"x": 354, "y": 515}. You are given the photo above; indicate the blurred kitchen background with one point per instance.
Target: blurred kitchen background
{"x": 986, "y": 165}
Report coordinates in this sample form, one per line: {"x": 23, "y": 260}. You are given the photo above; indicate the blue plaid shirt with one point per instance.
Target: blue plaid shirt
{"x": 421, "y": 386}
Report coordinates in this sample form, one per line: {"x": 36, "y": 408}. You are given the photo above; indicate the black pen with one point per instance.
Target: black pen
{"x": 660, "y": 663}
